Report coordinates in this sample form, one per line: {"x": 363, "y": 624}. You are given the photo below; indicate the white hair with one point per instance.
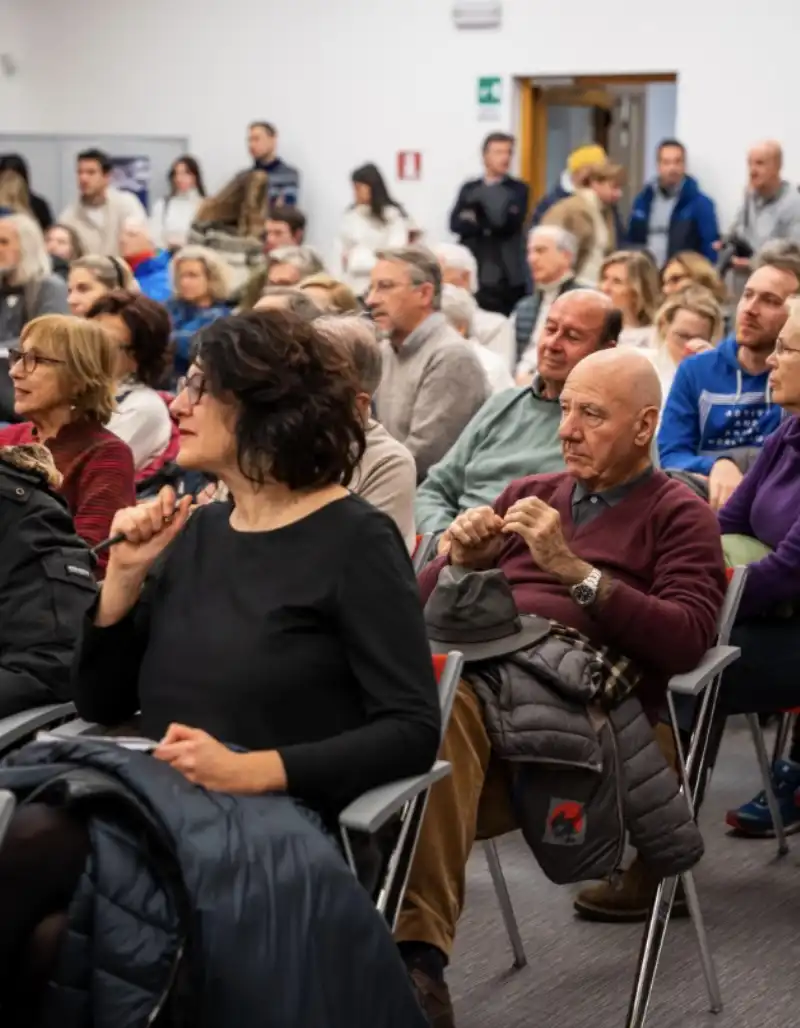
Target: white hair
{"x": 34, "y": 260}
{"x": 305, "y": 258}
{"x": 455, "y": 255}
{"x": 459, "y": 307}
{"x": 135, "y": 223}
{"x": 565, "y": 241}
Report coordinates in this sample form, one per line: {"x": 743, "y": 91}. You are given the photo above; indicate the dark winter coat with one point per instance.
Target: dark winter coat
{"x": 48, "y": 583}
{"x": 216, "y": 910}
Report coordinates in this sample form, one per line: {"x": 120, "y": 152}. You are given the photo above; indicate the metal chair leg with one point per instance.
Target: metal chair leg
{"x": 650, "y": 953}
{"x": 504, "y": 899}
{"x": 766, "y": 778}
{"x": 691, "y": 769}
{"x": 782, "y": 737}
{"x": 706, "y": 960}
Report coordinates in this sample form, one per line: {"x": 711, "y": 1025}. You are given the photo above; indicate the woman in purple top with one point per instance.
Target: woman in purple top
{"x": 766, "y": 505}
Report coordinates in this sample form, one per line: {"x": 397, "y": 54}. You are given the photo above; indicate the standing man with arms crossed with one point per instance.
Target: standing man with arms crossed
{"x": 488, "y": 218}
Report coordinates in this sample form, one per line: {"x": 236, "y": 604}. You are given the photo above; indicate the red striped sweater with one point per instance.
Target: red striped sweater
{"x": 97, "y": 469}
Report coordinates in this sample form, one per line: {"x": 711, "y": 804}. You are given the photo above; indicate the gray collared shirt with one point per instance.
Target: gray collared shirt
{"x": 587, "y": 506}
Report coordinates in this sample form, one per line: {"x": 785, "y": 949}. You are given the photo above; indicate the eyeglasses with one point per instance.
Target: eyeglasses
{"x": 195, "y": 386}
{"x": 781, "y": 348}
{"x": 30, "y": 359}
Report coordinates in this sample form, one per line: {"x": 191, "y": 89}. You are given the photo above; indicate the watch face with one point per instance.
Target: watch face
{"x": 584, "y": 594}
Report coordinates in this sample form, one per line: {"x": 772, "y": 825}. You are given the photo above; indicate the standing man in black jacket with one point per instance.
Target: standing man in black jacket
{"x": 488, "y": 219}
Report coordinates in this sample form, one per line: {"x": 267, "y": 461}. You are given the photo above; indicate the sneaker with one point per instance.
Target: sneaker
{"x": 627, "y": 901}
{"x": 434, "y": 998}
{"x": 754, "y": 819}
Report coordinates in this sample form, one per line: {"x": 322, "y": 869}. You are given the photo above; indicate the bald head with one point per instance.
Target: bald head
{"x": 764, "y": 163}
{"x": 624, "y": 376}
{"x": 610, "y": 406}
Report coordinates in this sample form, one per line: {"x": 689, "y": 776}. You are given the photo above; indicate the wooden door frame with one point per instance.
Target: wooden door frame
{"x": 532, "y": 129}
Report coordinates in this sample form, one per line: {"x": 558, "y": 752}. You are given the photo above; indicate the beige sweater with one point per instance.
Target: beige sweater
{"x": 430, "y": 388}
{"x": 99, "y": 228}
{"x": 387, "y": 478}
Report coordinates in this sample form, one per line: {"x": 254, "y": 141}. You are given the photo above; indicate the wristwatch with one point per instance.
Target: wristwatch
{"x": 585, "y": 592}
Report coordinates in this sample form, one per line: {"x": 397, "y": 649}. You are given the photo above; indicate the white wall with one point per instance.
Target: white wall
{"x": 19, "y": 91}
{"x": 354, "y": 80}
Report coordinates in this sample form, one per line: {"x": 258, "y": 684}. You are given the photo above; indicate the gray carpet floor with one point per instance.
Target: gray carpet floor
{"x": 581, "y": 974}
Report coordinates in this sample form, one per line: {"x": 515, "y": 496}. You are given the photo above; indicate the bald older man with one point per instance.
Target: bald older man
{"x": 771, "y": 208}
{"x": 611, "y": 547}
{"x": 515, "y": 433}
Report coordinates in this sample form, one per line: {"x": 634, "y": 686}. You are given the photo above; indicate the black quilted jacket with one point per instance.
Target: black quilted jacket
{"x": 245, "y": 895}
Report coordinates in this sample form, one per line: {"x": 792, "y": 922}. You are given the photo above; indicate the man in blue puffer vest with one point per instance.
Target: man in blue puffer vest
{"x": 671, "y": 215}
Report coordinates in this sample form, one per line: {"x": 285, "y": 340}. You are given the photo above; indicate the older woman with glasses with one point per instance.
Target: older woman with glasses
{"x": 765, "y": 510}
{"x": 274, "y": 646}
{"x": 63, "y": 374}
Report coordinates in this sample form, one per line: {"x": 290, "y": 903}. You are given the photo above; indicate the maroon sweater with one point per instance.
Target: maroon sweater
{"x": 661, "y": 547}
{"x": 98, "y": 474}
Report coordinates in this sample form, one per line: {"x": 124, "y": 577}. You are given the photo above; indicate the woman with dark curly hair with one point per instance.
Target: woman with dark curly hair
{"x": 277, "y": 645}
{"x": 288, "y": 624}
{"x": 141, "y": 328}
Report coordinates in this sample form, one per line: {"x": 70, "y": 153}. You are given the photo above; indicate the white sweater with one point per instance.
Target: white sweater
{"x": 360, "y": 235}
{"x": 142, "y": 421}
{"x": 172, "y": 218}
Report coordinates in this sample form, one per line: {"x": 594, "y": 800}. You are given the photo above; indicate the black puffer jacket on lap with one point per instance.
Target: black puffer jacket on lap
{"x": 274, "y": 929}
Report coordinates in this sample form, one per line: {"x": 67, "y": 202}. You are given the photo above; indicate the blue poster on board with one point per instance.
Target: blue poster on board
{"x": 132, "y": 174}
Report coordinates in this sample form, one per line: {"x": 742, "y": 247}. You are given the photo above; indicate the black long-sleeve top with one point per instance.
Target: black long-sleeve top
{"x": 308, "y": 639}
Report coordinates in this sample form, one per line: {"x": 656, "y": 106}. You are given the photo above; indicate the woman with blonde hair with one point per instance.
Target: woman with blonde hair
{"x": 630, "y": 279}
{"x": 90, "y": 278}
{"x": 688, "y": 322}
{"x": 687, "y": 269}
{"x": 28, "y": 289}
{"x": 63, "y": 374}
{"x": 14, "y": 193}
{"x": 330, "y": 295}
{"x": 202, "y": 286}
{"x": 232, "y": 223}
{"x": 64, "y": 246}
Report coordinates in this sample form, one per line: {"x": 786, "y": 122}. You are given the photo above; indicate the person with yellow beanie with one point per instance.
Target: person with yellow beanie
{"x": 590, "y": 155}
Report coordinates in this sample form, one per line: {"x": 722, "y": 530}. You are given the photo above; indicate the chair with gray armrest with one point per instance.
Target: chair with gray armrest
{"x": 372, "y": 811}
{"x": 704, "y": 684}
{"x": 20, "y": 728}
{"x": 407, "y": 798}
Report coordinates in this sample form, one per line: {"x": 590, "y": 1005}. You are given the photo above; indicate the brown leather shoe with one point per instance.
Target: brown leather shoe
{"x": 628, "y": 900}
{"x": 434, "y": 998}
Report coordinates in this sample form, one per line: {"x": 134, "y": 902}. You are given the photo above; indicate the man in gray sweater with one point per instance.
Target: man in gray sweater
{"x": 432, "y": 381}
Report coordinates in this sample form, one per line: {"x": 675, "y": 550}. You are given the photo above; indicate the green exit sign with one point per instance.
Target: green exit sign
{"x": 490, "y": 91}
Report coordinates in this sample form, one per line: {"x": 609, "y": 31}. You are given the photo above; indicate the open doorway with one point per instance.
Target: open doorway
{"x": 625, "y": 114}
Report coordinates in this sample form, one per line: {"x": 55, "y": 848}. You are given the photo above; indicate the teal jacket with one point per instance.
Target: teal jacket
{"x": 514, "y": 434}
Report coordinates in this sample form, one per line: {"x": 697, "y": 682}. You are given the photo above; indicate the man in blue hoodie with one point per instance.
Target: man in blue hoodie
{"x": 671, "y": 215}
{"x": 718, "y": 412}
